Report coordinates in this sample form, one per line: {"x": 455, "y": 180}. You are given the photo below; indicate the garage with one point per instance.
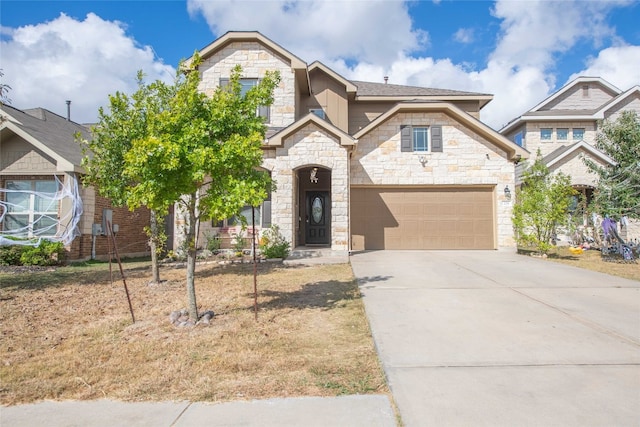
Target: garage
{"x": 422, "y": 218}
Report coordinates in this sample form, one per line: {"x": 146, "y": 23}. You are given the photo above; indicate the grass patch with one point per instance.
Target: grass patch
{"x": 67, "y": 334}
{"x": 592, "y": 260}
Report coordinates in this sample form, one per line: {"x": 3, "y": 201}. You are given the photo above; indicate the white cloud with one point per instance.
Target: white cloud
{"x": 619, "y": 65}
{"x": 82, "y": 61}
{"x": 464, "y": 35}
{"x": 369, "y": 31}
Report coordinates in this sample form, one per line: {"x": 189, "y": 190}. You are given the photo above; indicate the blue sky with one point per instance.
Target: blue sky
{"x": 519, "y": 51}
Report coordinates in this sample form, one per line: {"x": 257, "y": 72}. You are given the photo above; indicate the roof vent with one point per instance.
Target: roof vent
{"x": 386, "y": 79}
{"x": 68, "y": 110}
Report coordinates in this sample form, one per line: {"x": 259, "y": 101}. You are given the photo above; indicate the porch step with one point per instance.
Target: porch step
{"x": 310, "y": 255}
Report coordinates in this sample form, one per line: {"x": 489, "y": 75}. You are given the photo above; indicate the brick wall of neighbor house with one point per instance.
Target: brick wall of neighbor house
{"x": 577, "y": 170}
{"x": 533, "y": 142}
{"x": 256, "y": 60}
{"x": 467, "y": 159}
{"x": 131, "y": 238}
{"x": 310, "y": 146}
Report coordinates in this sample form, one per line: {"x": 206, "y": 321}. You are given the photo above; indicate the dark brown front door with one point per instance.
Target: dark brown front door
{"x": 317, "y": 218}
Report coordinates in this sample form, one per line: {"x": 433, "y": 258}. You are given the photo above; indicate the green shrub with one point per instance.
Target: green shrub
{"x": 214, "y": 242}
{"x": 239, "y": 242}
{"x": 46, "y": 253}
{"x": 273, "y": 243}
{"x": 10, "y": 255}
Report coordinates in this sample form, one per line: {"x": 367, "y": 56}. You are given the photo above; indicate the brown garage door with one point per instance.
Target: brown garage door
{"x": 421, "y": 218}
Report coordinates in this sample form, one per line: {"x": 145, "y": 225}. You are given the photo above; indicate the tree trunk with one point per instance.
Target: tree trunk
{"x": 191, "y": 259}
{"x": 153, "y": 245}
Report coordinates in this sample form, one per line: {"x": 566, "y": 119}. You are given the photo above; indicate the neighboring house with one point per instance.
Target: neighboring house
{"x": 564, "y": 128}
{"x": 361, "y": 165}
{"x": 41, "y": 194}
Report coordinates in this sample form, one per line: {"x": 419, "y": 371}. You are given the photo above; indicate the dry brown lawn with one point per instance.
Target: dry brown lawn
{"x": 67, "y": 334}
{"x": 592, "y": 260}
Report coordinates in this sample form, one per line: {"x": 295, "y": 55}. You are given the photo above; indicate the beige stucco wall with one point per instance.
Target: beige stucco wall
{"x": 310, "y": 146}
{"x": 467, "y": 159}
{"x": 256, "y": 60}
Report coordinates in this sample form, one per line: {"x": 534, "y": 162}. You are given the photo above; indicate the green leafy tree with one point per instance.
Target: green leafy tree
{"x": 129, "y": 118}
{"x": 542, "y": 203}
{"x": 618, "y": 190}
{"x": 204, "y": 155}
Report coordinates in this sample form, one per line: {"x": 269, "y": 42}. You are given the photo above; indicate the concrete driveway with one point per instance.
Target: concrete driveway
{"x": 498, "y": 339}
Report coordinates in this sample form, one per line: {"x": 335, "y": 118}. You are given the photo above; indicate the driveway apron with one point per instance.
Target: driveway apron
{"x": 490, "y": 338}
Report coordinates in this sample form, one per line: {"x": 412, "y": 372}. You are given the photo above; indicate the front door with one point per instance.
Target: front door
{"x": 317, "y": 218}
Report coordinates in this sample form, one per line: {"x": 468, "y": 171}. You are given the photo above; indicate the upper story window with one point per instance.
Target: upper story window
{"x": 421, "y": 138}
{"x": 578, "y": 134}
{"x": 545, "y": 134}
{"x": 32, "y": 208}
{"x": 318, "y": 112}
{"x": 562, "y": 134}
{"x": 245, "y": 85}
{"x": 518, "y": 138}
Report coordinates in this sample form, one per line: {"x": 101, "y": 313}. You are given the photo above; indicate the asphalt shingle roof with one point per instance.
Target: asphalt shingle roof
{"x": 384, "y": 89}
{"x": 52, "y": 130}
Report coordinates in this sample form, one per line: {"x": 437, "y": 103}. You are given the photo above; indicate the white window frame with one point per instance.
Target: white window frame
{"x": 573, "y": 133}
{"x": 564, "y": 131}
{"x": 424, "y": 130}
{"x": 543, "y": 132}
{"x": 33, "y": 216}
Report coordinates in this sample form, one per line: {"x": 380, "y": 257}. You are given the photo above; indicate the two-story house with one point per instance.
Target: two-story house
{"x": 361, "y": 165}
{"x": 564, "y": 128}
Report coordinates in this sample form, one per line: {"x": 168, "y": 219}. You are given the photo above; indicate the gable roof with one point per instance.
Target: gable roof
{"x": 48, "y": 132}
{"x": 567, "y": 151}
{"x": 606, "y": 107}
{"x": 571, "y": 85}
{"x": 277, "y": 139}
{"x": 537, "y": 113}
{"x": 514, "y": 151}
{"x": 297, "y": 65}
{"x": 349, "y": 86}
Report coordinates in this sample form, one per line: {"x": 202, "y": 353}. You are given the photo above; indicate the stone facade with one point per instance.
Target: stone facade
{"x": 533, "y": 143}
{"x": 467, "y": 160}
{"x": 310, "y": 146}
{"x": 255, "y": 60}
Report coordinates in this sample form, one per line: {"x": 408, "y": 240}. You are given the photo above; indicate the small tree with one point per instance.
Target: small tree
{"x": 542, "y": 204}
{"x": 618, "y": 190}
{"x": 204, "y": 154}
{"x": 129, "y": 118}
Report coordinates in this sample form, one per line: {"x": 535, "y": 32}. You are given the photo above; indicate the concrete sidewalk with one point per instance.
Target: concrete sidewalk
{"x": 348, "y": 411}
{"x": 488, "y": 338}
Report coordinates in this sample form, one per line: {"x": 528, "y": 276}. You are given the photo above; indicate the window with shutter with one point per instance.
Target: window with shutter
{"x": 436, "y": 139}
{"x": 420, "y": 138}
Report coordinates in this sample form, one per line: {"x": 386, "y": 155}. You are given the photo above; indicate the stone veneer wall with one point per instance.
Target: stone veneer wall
{"x": 533, "y": 142}
{"x": 579, "y": 172}
{"x": 255, "y": 60}
{"x": 310, "y": 146}
{"x": 467, "y": 159}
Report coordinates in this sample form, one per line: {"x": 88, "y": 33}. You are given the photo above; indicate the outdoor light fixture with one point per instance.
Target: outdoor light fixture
{"x": 423, "y": 160}
{"x": 507, "y": 192}
{"x": 313, "y": 175}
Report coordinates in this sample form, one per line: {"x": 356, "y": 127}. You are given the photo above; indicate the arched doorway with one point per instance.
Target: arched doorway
{"x": 314, "y": 206}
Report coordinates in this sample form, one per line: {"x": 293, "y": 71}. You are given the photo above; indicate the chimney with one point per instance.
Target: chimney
{"x": 386, "y": 79}
{"x": 68, "y": 110}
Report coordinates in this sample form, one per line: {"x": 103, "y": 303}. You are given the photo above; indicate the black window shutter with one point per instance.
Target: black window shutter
{"x": 266, "y": 214}
{"x": 406, "y": 144}
{"x": 436, "y": 139}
